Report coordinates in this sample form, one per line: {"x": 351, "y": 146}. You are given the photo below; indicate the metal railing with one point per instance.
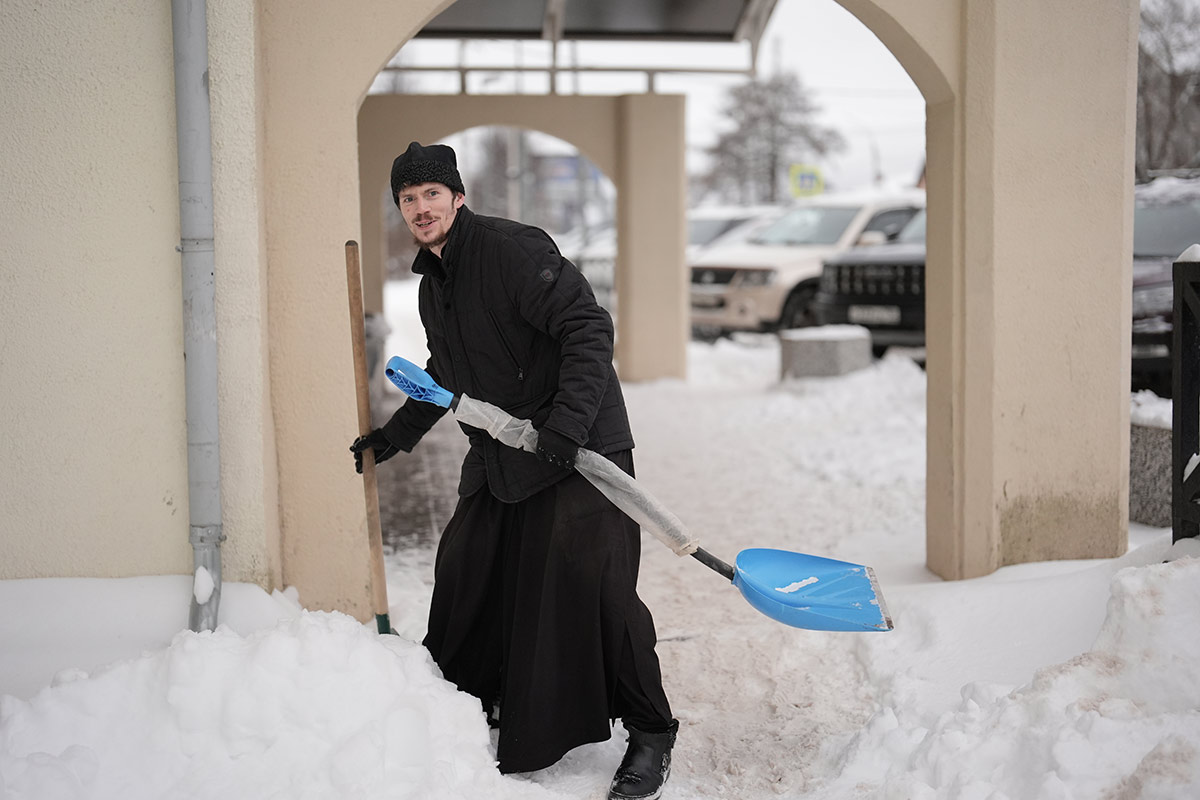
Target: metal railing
{"x": 554, "y": 71}
{"x": 1185, "y": 393}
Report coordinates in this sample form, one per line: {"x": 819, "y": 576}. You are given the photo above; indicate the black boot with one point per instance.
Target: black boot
{"x": 646, "y": 765}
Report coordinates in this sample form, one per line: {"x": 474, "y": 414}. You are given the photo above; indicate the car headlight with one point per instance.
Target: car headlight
{"x": 758, "y": 277}
{"x": 1152, "y": 301}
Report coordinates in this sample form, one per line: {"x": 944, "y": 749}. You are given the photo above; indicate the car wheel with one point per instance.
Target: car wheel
{"x": 797, "y": 310}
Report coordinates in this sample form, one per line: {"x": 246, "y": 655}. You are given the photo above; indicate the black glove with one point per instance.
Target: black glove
{"x": 377, "y": 441}
{"x": 554, "y": 448}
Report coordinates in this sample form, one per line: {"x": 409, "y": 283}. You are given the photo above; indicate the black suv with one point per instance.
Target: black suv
{"x": 1166, "y": 221}
{"x": 881, "y": 287}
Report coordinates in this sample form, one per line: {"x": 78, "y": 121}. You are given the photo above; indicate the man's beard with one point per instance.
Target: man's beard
{"x": 438, "y": 242}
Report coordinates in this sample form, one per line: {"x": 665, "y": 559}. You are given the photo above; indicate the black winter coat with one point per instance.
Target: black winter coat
{"x": 510, "y": 321}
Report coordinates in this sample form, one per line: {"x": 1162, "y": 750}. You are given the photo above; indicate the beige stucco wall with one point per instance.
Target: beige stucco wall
{"x": 318, "y": 61}
{"x": 1061, "y": 274}
{"x": 94, "y": 451}
{"x": 92, "y": 454}
{"x": 651, "y": 276}
{"x": 249, "y": 480}
{"x": 1029, "y": 245}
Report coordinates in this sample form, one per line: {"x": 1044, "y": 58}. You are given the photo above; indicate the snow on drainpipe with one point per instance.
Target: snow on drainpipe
{"x": 190, "y": 32}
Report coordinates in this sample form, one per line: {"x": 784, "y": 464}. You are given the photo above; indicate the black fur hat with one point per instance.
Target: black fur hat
{"x": 419, "y": 164}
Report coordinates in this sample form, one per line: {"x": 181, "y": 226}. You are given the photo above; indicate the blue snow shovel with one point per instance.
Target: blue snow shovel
{"x": 793, "y": 588}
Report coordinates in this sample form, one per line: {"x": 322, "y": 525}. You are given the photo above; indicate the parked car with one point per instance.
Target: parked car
{"x": 596, "y": 254}
{"x": 1166, "y": 221}
{"x": 768, "y": 281}
{"x": 713, "y": 226}
{"x": 883, "y": 288}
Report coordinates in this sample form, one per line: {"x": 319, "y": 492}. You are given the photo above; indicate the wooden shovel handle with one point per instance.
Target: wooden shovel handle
{"x": 363, "y": 392}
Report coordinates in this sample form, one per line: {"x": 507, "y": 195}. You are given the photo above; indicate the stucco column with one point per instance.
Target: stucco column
{"x": 1036, "y": 314}
{"x": 318, "y": 60}
{"x": 651, "y": 279}
{"x": 952, "y": 550}
{"x": 249, "y": 482}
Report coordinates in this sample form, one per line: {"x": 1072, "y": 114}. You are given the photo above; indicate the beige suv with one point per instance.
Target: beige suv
{"x": 768, "y": 281}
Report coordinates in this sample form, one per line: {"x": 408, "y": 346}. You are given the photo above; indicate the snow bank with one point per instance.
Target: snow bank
{"x": 1147, "y": 408}
{"x": 1168, "y": 189}
{"x": 1039, "y": 682}
{"x": 318, "y": 706}
{"x": 51, "y": 624}
{"x": 1119, "y": 720}
{"x": 826, "y": 333}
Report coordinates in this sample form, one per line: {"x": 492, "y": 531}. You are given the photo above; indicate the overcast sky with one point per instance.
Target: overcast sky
{"x": 862, "y": 90}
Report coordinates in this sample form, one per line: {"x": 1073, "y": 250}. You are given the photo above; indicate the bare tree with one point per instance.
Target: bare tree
{"x": 1168, "y": 105}
{"x": 773, "y": 125}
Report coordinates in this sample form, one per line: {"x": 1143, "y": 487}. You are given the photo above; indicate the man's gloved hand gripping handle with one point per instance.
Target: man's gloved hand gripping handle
{"x": 554, "y": 448}
{"x": 377, "y": 441}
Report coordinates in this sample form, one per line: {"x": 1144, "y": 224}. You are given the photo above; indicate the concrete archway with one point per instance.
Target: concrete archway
{"x": 1030, "y": 132}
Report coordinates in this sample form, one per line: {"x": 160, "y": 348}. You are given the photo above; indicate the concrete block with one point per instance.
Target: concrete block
{"x": 1150, "y": 475}
{"x": 823, "y": 351}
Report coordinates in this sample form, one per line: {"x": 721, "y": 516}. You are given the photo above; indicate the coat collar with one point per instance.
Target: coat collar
{"x": 427, "y": 263}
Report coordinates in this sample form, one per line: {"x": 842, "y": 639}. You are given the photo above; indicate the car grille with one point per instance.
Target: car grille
{"x": 874, "y": 280}
{"x": 713, "y": 276}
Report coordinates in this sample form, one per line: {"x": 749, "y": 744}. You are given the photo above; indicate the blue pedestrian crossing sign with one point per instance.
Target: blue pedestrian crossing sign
{"x": 805, "y": 180}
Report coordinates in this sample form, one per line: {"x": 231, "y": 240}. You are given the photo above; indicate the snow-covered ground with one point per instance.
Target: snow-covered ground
{"x": 1040, "y": 682}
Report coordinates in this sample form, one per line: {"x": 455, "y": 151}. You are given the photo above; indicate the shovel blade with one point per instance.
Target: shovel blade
{"x": 811, "y": 592}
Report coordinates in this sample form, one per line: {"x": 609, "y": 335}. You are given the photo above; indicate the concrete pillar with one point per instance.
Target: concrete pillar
{"x": 317, "y": 61}
{"x": 1029, "y": 139}
{"x": 1035, "y": 315}
{"x": 651, "y": 277}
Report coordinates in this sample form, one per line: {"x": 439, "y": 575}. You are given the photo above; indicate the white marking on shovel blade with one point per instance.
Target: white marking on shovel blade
{"x": 797, "y": 586}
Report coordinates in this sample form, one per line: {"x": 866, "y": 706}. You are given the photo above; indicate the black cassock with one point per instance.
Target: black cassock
{"x": 535, "y": 606}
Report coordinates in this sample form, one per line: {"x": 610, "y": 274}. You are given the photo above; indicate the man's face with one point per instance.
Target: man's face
{"x": 429, "y": 210}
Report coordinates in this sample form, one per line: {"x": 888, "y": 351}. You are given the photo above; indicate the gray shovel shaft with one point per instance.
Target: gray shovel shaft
{"x": 613, "y": 483}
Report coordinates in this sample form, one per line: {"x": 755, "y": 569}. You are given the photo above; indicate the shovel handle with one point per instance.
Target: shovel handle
{"x": 712, "y": 562}
{"x": 378, "y": 573}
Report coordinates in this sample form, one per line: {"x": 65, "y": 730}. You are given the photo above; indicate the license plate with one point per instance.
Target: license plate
{"x": 707, "y": 301}
{"x": 874, "y": 315}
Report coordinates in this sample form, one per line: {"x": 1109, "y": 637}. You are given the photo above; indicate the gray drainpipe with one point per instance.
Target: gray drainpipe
{"x": 190, "y": 30}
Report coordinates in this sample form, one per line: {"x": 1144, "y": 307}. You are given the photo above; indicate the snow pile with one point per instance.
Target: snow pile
{"x": 51, "y": 624}
{"x": 1168, "y": 189}
{"x": 1119, "y": 720}
{"x": 826, "y": 333}
{"x": 1050, "y": 681}
{"x": 1147, "y": 408}
{"x": 317, "y": 706}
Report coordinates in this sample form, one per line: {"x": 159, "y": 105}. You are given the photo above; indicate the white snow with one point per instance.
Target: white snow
{"x": 203, "y": 585}
{"x": 796, "y": 586}
{"x": 1040, "y": 682}
{"x": 1168, "y": 189}
{"x": 1148, "y": 409}
{"x": 826, "y": 333}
